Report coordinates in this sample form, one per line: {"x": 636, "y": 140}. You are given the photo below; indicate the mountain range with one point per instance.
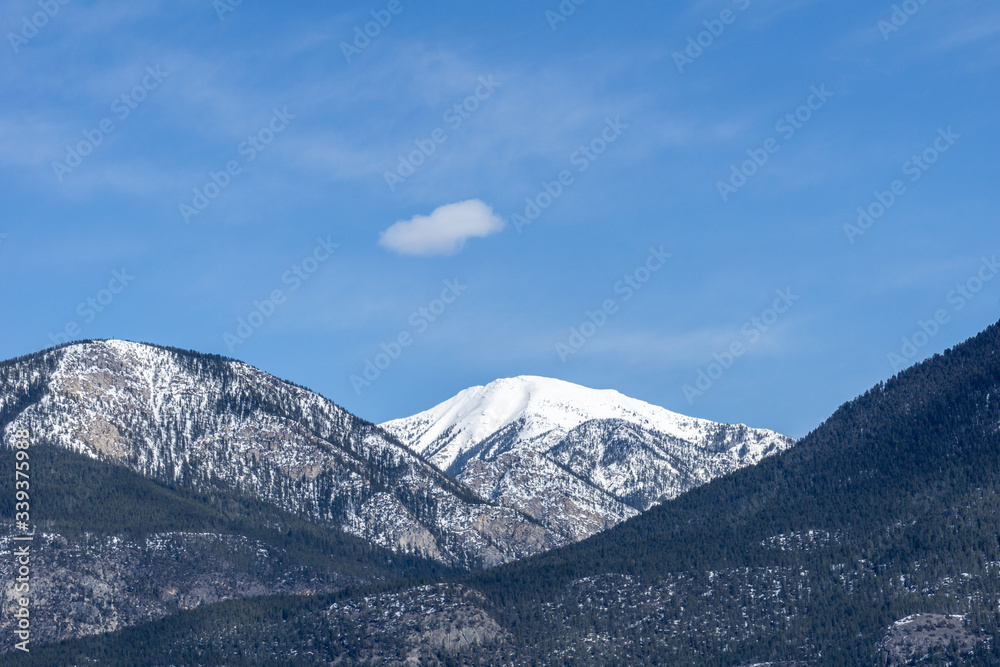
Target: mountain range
{"x": 872, "y": 541}
{"x": 172, "y": 423}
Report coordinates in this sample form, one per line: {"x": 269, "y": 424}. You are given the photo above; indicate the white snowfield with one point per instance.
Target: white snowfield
{"x": 583, "y": 459}
{"x": 446, "y": 431}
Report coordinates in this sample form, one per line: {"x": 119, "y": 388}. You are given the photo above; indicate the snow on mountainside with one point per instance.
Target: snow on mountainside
{"x": 201, "y": 420}
{"x": 578, "y": 460}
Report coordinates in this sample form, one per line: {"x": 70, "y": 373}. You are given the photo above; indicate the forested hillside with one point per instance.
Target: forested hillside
{"x": 113, "y": 549}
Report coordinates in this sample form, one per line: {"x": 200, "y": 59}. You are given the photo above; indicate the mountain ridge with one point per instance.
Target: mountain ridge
{"x": 203, "y": 419}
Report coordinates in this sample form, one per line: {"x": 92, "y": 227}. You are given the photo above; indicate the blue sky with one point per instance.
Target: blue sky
{"x": 292, "y": 133}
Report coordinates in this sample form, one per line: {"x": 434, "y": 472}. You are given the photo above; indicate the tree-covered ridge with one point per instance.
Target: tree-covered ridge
{"x": 905, "y": 479}
{"x": 113, "y": 548}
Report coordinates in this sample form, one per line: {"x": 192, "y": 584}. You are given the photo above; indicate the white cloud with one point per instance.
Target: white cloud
{"x": 444, "y": 231}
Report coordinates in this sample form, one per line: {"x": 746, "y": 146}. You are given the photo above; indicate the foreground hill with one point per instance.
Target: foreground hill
{"x": 578, "y": 460}
{"x": 874, "y": 541}
{"x": 113, "y": 549}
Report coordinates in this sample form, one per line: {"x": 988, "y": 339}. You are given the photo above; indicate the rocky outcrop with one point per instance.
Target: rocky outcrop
{"x": 534, "y": 484}
{"x": 417, "y": 626}
{"x": 916, "y": 637}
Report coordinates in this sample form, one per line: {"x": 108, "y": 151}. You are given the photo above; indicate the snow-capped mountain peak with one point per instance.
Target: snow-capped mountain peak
{"x": 548, "y": 406}
{"x": 577, "y": 459}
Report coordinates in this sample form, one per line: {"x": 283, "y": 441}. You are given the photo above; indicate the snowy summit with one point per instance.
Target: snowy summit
{"x": 537, "y": 444}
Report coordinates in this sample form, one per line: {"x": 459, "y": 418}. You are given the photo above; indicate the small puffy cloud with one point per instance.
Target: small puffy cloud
{"x": 444, "y": 231}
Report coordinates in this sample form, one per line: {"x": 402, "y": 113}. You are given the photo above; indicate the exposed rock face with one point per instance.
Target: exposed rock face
{"x": 643, "y": 466}
{"x": 200, "y": 421}
{"x": 536, "y": 485}
{"x": 578, "y": 460}
{"x": 101, "y": 584}
{"x": 914, "y": 637}
{"x": 416, "y": 626}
